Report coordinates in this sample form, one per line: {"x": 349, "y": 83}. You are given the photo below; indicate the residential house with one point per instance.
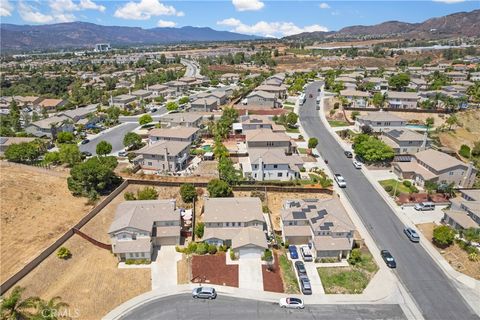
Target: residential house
{"x": 358, "y": 99}
{"x": 271, "y": 164}
{"x": 204, "y": 105}
{"x": 219, "y": 96}
{"x": 80, "y": 113}
{"x": 142, "y": 94}
{"x": 255, "y": 122}
{"x": 230, "y": 77}
{"x": 139, "y": 226}
{"x": 49, "y": 127}
{"x": 50, "y": 105}
{"x": 418, "y": 84}
{"x": 236, "y": 222}
{"x": 262, "y": 99}
{"x": 178, "y": 87}
{"x": 405, "y": 141}
{"x": 380, "y": 121}
{"x": 456, "y": 76}
{"x": 189, "y": 119}
{"x": 163, "y": 156}
{"x": 464, "y": 212}
{"x": 475, "y": 76}
{"x": 379, "y": 84}
{"x": 122, "y": 100}
{"x": 438, "y": 167}
{"x": 280, "y": 91}
{"x": 402, "y": 100}
{"x": 266, "y": 138}
{"x": 184, "y": 134}
{"x": 159, "y": 90}
{"x": 323, "y": 225}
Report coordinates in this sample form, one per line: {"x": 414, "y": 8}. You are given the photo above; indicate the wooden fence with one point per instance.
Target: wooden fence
{"x": 399, "y": 110}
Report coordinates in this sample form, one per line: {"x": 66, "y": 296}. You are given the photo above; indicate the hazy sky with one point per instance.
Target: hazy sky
{"x": 266, "y": 18}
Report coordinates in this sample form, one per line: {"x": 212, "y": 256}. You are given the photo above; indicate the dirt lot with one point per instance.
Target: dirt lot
{"x": 214, "y": 270}
{"x": 272, "y": 280}
{"x": 467, "y": 133}
{"x": 36, "y": 209}
{"x": 457, "y": 257}
{"x": 275, "y": 202}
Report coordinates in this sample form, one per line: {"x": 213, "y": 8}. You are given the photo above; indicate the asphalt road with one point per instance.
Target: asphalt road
{"x": 192, "y": 69}
{"x": 114, "y": 137}
{"x": 434, "y": 293}
{"x": 226, "y": 308}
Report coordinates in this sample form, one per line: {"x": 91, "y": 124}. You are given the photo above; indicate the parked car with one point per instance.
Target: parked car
{"x": 425, "y": 206}
{"x": 204, "y": 293}
{"x": 122, "y": 154}
{"x": 293, "y": 252}
{"x": 85, "y": 141}
{"x": 306, "y": 253}
{"x": 291, "y": 303}
{"x": 300, "y": 268}
{"x": 305, "y": 284}
{"x": 340, "y": 180}
{"x": 388, "y": 258}
{"x": 411, "y": 234}
{"x": 86, "y": 154}
{"x": 357, "y": 164}
{"x": 348, "y": 154}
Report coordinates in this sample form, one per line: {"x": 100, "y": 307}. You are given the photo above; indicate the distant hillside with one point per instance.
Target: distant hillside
{"x": 84, "y": 35}
{"x": 456, "y": 24}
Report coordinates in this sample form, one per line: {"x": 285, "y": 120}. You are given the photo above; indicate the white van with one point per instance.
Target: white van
{"x": 306, "y": 253}
{"x": 425, "y": 206}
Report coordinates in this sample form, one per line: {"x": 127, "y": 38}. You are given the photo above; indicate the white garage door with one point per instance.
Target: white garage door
{"x": 250, "y": 253}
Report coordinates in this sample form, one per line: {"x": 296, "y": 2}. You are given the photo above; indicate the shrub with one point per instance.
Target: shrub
{"x": 336, "y": 105}
{"x": 202, "y": 248}
{"x": 413, "y": 189}
{"x": 388, "y": 188}
{"x": 191, "y": 248}
{"x": 178, "y": 249}
{"x": 223, "y": 248}
{"x": 267, "y": 255}
{"x": 63, "y": 253}
{"x": 129, "y": 196}
{"x": 199, "y": 229}
{"x": 355, "y": 257}
{"x": 312, "y": 143}
{"x": 219, "y": 189}
{"x": 473, "y": 257}
{"x": 302, "y": 169}
{"x": 328, "y": 260}
{"x": 443, "y": 236}
{"x": 258, "y": 194}
{"x": 232, "y": 255}
{"x": 407, "y": 183}
{"x": 188, "y": 192}
{"x": 286, "y": 244}
{"x": 464, "y": 151}
{"x": 354, "y": 115}
{"x": 212, "y": 249}
{"x": 148, "y": 193}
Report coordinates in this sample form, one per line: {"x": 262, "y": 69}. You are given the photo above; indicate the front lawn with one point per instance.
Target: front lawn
{"x": 292, "y": 130}
{"x": 302, "y": 150}
{"x": 391, "y": 185}
{"x": 288, "y": 275}
{"x": 338, "y": 123}
{"x": 349, "y": 280}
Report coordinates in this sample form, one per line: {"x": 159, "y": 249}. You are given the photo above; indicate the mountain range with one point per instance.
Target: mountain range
{"x": 85, "y": 35}
{"x": 466, "y": 24}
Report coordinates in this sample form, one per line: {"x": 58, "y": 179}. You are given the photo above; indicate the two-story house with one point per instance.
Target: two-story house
{"x": 181, "y": 134}
{"x": 402, "y": 100}
{"x": 49, "y": 127}
{"x": 279, "y": 91}
{"x": 464, "y": 211}
{"x": 190, "y": 119}
{"x": 380, "y": 121}
{"x": 357, "y": 99}
{"x": 324, "y": 225}
{"x": 438, "y": 167}
{"x": 163, "y": 156}
{"x": 236, "y": 222}
{"x": 139, "y": 226}
{"x": 405, "y": 141}
{"x": 266, "y": 138}
{"x": 262, "y": 99}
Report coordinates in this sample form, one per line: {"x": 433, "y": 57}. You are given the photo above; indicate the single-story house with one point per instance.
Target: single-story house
{"x": 380, "y": 121}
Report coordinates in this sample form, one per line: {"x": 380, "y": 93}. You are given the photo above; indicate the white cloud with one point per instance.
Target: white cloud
{"x": 31, "y": 14}
{"x": 324, "y": 5}
{"x": 166, "y": 24}
{"x": 449, "y": 1}
{"x": 248, "y": 5}
{"x": 6, "y": 8}
{"x": 269, "y": 29}
{"x": 145, "y": 9}
{"x": 90, "y": 5}
{"x": 70, "y": 6}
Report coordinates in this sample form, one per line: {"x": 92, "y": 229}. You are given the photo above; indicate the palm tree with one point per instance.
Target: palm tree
{"x": 14, "y": 307}
{"x": 49, "y": 310}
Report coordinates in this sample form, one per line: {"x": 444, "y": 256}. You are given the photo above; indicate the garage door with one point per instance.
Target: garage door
{"x": 250, "y": 253}
{"x": 298, "y": 240}
{"x": 165, "y": 241}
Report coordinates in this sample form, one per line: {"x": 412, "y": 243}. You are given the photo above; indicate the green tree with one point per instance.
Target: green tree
{"x": 464, "y": 151}
{"x": 93, "y": 177}
{"x": 429, "y": 122}
{"x": 399, "y": 81}
{"x": 443, "y": 236}
{"x": 113, "y": 113}
{"x": 14, "y": 115}
{"x": 103, "y": 148}
{"x": 146, "y": 118}
{"x": 219, "y": 189}
{"x": 378, "y": 99}
{"x": 23, "y": 152}
{"x": 171, "y": 106}
{"x": 14, "y": 307}
{"x": 226, "y": 171}
{"x": 147, "y": 193}
{"x": 52, "y": 157}
{"x": 291, "y": 119}
{"x": 312, "y": 142}
{"x": 69, "y": 154}
{"x": 188, "y": 192}
{"x": 451, "y": 121}
{"x": 65, "y": 137}
{"x": 49, "y": 310}
{"x": 183, "y": 100}
{"x": 354, "y": 115}
{"x": 372, "y": 149}
{"x": 132, "y": 141}
{"x": 199, "y": 229}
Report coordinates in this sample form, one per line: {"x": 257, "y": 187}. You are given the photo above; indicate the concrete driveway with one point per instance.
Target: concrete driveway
{"x": 315, "y": 282}
{"x": 250, "y": 274}
{"x": 164, "y": 268}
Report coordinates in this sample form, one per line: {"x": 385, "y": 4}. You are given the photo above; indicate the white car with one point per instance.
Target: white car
{"x": 292, "y": 303}
{"x": 357, "y": 164}
{"x": 340, "y": 180}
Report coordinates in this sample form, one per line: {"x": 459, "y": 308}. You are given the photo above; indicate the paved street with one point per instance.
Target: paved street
{"x": 192, "y": 69}
{"x": 185, "y": 307}
{"x": 114, "y": 137}
{"x": 434, "y": 293}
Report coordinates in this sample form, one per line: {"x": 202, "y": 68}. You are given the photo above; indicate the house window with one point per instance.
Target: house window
{"x": 149, "y": 163}
{"x": 451, "y": 173}
{"x": 279, "y": 174}
{"x": 228, "y": 224}
{"x": 137, "y": 255}
{"x": 275, "y": 166}
{"x": 142, "y": 255}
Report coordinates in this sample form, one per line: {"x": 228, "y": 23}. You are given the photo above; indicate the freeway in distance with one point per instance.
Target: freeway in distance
{"x": 183, "y": 306}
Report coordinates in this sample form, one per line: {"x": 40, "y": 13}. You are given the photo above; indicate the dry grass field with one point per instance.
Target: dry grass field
{"x": 468, "y": 132}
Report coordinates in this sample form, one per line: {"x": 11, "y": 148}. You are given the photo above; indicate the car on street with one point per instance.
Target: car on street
{"x": 293, "y": 252}
{"x": 305, "y": 284}
{"x": 411, "y": 234}
{"x": 424, "y": 206}
{"x": 357, "y": 164}
{"x": 348, "y": 154}
{"x": 388, "y": 258}
{"x": 204, "y": 293}
{"x": 85, "y": 141}
{"x": 86, "y": 154}
{"x": 300, "y": 268}
{"x": 340, "y": 180}
{"x": 306, "y": 253}
{"x": 291, "y": 303}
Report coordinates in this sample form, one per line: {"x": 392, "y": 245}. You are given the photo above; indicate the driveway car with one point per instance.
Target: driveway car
{"x": 300, "y": 268}
{"x": 425, "y": 206}
{"x": 340, "y": 180}
{"x": 85, "y": 141}
{"x": 305, "y": 284}
{"x": 348, "y": 154}
{"x": 122, "y": 154}
{"x": 293, "y": 252}
{"x": 357, "y": 164}
{"x": 306, "y": 253}
{"x": 87, "y": 154}
{"x": 411, "y": 234}
{"x": 204, "y": 293}
{"x": 388, "y": 258}
{"x": 291, "y": 303}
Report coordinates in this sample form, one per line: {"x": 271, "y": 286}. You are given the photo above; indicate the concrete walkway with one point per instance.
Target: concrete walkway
{"x": 314, "y": 277}
{"x": 164, "y": 268}
{"x": 250, "y": 274}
